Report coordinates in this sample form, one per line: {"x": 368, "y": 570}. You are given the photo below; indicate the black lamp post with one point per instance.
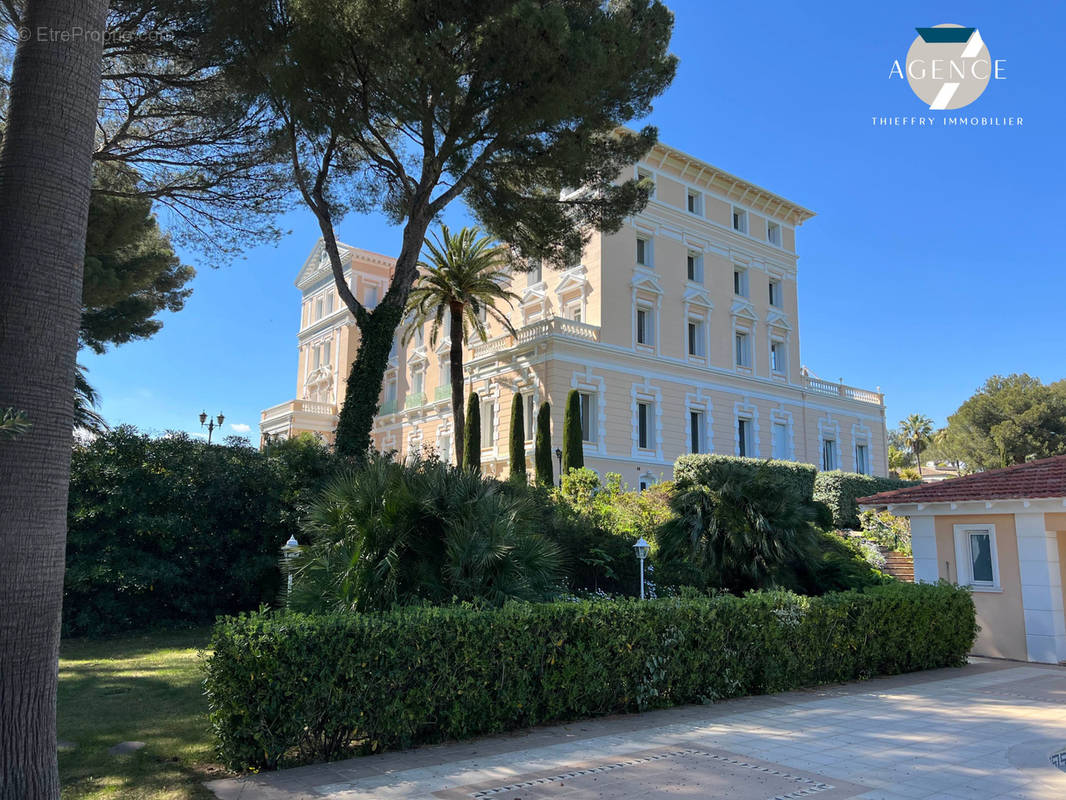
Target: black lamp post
{"x": 559, "y": 458}
{"x": 211, "y": 425}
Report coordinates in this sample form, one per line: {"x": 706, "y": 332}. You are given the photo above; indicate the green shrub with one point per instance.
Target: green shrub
{"x": 472, "y": 434}
{"x": 542, "y": 446}
{"x": 287, "y": 688}
{"x": 170, "y": 531}
{"x": 705, "y": 468}
{"x": 422, "y": 532}
{"x": 886, "y": 530}
{"x": 839, "y": 489}
{"x": 573, "y": 447}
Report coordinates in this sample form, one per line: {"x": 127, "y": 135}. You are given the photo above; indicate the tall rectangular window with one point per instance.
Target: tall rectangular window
{"x": 773, "y": 233}
{"x": 535, "y": 275}
{"x": 329, "y": 303}
{"x": 643, "y": 421}
{"x": 643, "y": 251}
{"x": 371, "y": 297}
{"x": 740, "y": 282}
{"x": 326, "y": 354}
{"x": 862, "y": 464}
{"x": 775, "y": 294}
{"x": 745, "y": 437}
{"x": 829, "y": 454}
{"x": 644, "y": 175}
{"x": 740, "y": 220}
{"x": 317, "y": 357}
{"x": 445, "y": 370}
{"x": 695, "y": 431}
{"x": 418, "y": 381}
{"x": 777, "y": 357}
{"x": 695, "y": 337}
{"x": 488, "y": 428}
{"x": 694, "y": 267}
{"x": 390, "y": 391}
{"x": 695, "y": 202}
{"x": 743, "y": 349}
{"x": 588, "y": 417}
{"x": 318, "y": 308}
{"x": 644, "y": 326}
{"x": 780, "y": 441}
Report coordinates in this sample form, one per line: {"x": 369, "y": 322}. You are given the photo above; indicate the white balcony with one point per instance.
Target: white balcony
{"x": 553, "y": 327}
{"x": 830, "y": 389}
{"x": 297, "y": 416}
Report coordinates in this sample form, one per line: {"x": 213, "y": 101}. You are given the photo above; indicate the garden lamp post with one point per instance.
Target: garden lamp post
{"x": 559, "y": 458}
{"x": 211, "y": 425}
{"x": 641, "y": 548}
{"x": 290, "y": 549}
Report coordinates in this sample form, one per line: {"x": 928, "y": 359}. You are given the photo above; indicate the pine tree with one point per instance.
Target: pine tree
{"x": 518, "y": 437}
{"x": 573, "y": 454}
{"x": 472, "y": 434}
{"x": 542, "y": 449}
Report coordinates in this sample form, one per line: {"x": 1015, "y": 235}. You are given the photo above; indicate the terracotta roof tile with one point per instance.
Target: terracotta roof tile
{"x": 1043, "y": 478}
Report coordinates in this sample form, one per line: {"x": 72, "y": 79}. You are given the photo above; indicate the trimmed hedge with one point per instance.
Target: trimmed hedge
{"x": 287, "y": 688}
{"x": 702, "y": 469}
{"x": 839, "y": 489}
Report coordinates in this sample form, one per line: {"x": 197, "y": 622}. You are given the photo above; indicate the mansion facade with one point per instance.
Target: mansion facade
{"x": 680, "y": 331}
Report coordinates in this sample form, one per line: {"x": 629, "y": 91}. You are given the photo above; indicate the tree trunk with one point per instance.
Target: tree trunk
{"x": 45, "y": 170}
{"x": 455, "y": 358}
{"x": 377, "y": 331}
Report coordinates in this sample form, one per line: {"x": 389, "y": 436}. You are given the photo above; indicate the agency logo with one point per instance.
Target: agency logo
{"x": 948, "y": 66}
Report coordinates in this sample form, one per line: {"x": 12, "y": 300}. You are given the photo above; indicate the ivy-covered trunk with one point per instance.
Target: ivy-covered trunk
{"x": 356, "y": 419}
{"x": 455, "y": 358}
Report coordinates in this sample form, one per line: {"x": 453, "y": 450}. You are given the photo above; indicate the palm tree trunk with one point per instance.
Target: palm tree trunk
{"x": 455, "y": 359}
{"x": 45, "y": 168}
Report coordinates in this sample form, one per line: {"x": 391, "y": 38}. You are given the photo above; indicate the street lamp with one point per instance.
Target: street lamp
{"x": 290, "y": 550}
{"x": 559, "y": 458}
{"x": 642, "y": 548}
{"x": 211, "y": 425}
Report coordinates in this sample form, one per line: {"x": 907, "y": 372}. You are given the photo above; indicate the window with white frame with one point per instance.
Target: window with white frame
{"x": 775, "y": 293}
{"x": 329, "y": 303}
{"x": 644, "y": 412}
{"x": 742, "y": 340}
{"x": 977, "y": 557}
{"x": 390, "y": 391}
{"x": 418, "y": 380}
{"x": 530, "y": 420}
{"x": 745, "y": 437}
{"x": 694, "y": 266}
{"x": 370, "y": 297}
{"x": 773, "y": 233}
{"x": 696, "y": 337}
{"x": 444, "y": 369}
{"x": 740, "y": 220}
{"x": 780, "y": 440}
{"x": 644, "y": 251}
{"x": 326, "y": 359}
{"x": 319, "y": 306}
{"x": 588, "y": 416}
{"x": 829, "y": 454}
{"x": 740, "y": 282}
{"x": 643, "y": 174}
{"x": 862, "y": 458}
{"x": 645, "y": 325}
{"x": 778, "y": 357}
{"x": 488, "y": 429}
{"x": 535, "y": 275}
{"x": 695, "y": 432}
{"x": 573, "y": 311}
{"x": 695, "y": 202}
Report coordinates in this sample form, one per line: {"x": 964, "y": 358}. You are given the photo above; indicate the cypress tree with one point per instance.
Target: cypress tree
{"x": 542, "y": 453}
{"x": 518, "y": 437}
{"x": 472, "y": 434}
{"x": 573, "y": 453}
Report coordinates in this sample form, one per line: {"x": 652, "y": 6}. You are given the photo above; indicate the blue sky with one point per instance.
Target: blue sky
{"x": 935, "y": 261}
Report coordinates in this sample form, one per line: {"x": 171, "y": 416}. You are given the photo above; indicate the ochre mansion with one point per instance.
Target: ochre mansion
{"x": 680, "y": 331}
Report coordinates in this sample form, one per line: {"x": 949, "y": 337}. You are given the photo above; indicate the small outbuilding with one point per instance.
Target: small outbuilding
{"x": 1003, "y": 534}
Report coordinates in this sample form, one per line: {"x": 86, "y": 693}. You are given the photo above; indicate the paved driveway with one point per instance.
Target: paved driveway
{"x": 988, "y": 730}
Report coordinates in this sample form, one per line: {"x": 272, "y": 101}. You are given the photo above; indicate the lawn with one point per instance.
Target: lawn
{"x": 137, "y": 688}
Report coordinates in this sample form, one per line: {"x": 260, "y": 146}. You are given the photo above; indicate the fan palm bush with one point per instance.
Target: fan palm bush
{"x": 737, "y": 529}
{"x": 423, "y": 532}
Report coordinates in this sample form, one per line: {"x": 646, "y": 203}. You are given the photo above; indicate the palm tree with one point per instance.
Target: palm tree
{"x": 45, "y": 171}
{"x": 917, "y": 430}
{"x": 463, "y": 279}
{"x": 86, "y": 398}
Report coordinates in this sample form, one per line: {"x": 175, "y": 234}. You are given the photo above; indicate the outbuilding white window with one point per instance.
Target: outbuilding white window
{"x": 976, "y": 557}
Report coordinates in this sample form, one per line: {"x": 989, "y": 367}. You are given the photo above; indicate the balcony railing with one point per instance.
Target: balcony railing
{"x": 388, "y": 407}
{"x": 553, "y": 327}
{"x": 442, "y": 393}
{"x": 831, "y": 389}
{"x": 294, "y": 406}
{"x": 414, "y": 400}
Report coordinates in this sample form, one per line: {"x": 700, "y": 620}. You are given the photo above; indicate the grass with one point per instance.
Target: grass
{"x": 143, "y": 688}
